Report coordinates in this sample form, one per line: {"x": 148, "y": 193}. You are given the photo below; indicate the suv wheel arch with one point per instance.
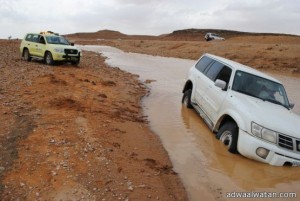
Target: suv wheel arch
{"x": 188, "y": 85}
{"x": 187, "y": 94}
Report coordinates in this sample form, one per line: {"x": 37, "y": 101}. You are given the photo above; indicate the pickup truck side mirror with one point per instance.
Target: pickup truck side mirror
{"x": 221, "y": 84}
{"x": 292, "y": 105}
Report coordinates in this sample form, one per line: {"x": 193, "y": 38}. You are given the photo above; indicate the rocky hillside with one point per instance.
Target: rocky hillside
{"x": 107, "y": 34}
{"x": 179, "y": 35}
{"x": 198, "y": 34}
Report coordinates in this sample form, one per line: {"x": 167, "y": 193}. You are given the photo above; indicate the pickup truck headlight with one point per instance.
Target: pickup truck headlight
{"x": 60, "y": 50}
{"x": 263, "y": 133}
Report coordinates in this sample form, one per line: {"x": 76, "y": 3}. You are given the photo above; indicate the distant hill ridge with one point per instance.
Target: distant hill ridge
{"x": 108, "y": 34}
{"x": 198, "y": 34}
{"x": 185, "y": 35}
{"x": 102, "y": 34}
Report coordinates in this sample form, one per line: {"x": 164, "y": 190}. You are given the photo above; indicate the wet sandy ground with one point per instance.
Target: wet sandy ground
{"x": 77, "y": 133}
{"x": 207, "y": 170}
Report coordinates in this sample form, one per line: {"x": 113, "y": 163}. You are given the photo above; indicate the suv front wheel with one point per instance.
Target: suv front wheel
{"x": 26, "y": 55}
{"x": 48, "y": 58}
{"x": 75, "y": 63}
{"x": 228, "y": 134}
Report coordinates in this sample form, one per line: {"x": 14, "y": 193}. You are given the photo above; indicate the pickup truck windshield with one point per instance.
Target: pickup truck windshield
{"x": 261, "y": 88}
{"x": 57, "y": 40}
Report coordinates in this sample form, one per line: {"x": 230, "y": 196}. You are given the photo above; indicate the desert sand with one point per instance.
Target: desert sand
{"x": 77, "y": 133}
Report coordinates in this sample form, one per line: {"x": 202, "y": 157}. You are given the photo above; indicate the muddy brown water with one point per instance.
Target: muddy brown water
{"x": 207, "y": 170}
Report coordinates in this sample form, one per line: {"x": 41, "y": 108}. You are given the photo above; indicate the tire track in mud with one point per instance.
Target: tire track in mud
{"x": 21, "y": 128}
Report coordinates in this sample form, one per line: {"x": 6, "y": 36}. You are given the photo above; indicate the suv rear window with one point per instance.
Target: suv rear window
{"x": 214, "y": 70}
{"x": 203, "y": 63}
{"x": 28, "y": 37}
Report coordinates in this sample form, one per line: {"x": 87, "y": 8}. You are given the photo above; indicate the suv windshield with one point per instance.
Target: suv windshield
{"x": 57, "y": 40}
{"x": 261, "y": 88}
{"x": 213, "y": 34}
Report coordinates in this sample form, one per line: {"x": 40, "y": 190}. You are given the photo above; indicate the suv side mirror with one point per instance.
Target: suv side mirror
{"x": 292, "y": 105}
{"x": 72, "y": 44}
{"x": 221, "y": 84}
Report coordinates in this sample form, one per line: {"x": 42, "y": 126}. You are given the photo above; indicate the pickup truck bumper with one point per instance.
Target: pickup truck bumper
{"x": 248, "y": 146}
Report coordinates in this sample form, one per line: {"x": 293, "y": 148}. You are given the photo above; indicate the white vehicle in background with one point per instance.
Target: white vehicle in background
{"x": 212, "y": 36}
{"x": 248, "y": 110}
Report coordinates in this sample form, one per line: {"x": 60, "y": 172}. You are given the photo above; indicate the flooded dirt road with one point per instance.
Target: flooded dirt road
{"x": 207, "y": 170}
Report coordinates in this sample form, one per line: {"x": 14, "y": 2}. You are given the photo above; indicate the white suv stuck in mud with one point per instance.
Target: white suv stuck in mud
{"x": 249, "y": 111}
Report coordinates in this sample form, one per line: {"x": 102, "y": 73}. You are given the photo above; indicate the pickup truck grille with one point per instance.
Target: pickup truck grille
{"x": 286, "y": 142}
{"x": 71, "y": 51}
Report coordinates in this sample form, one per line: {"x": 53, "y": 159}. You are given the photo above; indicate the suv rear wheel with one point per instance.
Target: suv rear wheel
{"x": 186, "y": 99}
{"x": 26, "y": 55}
{"x": 228, "y": 134}
{"x": 48, "y": 58}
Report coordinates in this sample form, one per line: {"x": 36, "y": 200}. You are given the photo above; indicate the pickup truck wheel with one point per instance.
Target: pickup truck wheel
{"x": 228, "y": 134}
{"x": 48, "y": 58}
{"x": 26, "y": 55}
{"x": 186, "y": 99}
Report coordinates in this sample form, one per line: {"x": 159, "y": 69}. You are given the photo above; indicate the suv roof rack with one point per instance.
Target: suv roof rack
{"x": 49, "y": 32}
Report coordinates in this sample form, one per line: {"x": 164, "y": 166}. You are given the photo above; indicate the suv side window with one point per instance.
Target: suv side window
{"x": 203, "y": 63}
{"x": 224, "y": 74}
{"x": 35, "y": 38}
{"x": 41, "y": 39}
{"x": 28, "y": 37}
{"x": 214, "y": 70}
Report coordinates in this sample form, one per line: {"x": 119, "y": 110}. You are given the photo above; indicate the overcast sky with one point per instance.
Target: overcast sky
{"x": 151, "y": 17}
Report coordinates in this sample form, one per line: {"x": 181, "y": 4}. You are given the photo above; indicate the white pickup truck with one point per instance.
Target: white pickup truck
{"x": 248, "y": 110}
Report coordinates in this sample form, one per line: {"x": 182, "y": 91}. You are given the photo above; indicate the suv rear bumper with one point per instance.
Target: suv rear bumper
{"x": 248, "y": 145}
